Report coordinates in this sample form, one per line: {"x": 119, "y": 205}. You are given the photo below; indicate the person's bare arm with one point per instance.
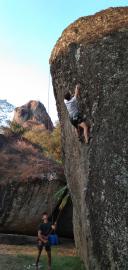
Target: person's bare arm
{"x": 54, "y": 226}
{"x": 41, "y": 237}
{"x": 77, "y": 91}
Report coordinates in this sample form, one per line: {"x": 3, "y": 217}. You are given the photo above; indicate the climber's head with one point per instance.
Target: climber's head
{"x": 45, "y": 217}
{"x": 67, "y": 96}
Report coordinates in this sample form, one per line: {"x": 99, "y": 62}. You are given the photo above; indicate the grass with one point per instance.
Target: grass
{"x": 24, "y": 261}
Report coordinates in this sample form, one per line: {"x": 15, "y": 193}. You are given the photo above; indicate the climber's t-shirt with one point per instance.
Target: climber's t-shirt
{"x": 45, "y": 228}
{"x": 72, "y": 106}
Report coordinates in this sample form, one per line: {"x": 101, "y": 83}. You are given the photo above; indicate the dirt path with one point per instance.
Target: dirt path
{"x": 67, "y": 249}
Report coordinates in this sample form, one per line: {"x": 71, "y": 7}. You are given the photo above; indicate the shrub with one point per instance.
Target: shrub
{"x": 17, "y": 128}
{"x": 12, "y": 128}
{"x": 49, "y": 142}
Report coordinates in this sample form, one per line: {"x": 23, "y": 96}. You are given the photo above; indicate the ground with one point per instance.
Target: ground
{"x": 23, "y": 258}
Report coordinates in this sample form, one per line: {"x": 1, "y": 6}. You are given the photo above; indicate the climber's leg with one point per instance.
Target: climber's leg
{"x": 85, "y": 127}
{"x": 78, "y": 123}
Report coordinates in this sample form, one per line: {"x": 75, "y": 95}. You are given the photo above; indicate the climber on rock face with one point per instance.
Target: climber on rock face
{"x": 76, "y": 118}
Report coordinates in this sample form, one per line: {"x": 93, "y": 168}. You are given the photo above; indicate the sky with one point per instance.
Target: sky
{"x": 29, "y": 30}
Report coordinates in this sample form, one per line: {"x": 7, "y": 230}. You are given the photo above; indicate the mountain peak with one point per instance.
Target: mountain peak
{"x": 33, "y": 115}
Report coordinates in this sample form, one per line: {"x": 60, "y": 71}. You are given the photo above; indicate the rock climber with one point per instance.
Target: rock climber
{"x": 44, "y": 230}
{"x": 76, "y": 119}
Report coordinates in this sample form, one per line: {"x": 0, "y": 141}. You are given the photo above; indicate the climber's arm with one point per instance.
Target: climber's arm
{"x": 77, "y": 91}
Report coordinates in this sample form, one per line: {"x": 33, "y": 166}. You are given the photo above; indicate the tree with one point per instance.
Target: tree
{"x": 49, "y": 142}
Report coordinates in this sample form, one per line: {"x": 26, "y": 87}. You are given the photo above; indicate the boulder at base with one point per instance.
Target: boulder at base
{"x": 28, "y": 183}
{"x": 94, "y": 51}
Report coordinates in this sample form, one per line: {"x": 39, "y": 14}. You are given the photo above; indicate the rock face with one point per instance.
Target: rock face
{"x": 28, "y": 183}
{"x": 66, "y": 218}
{"x": 33, "y": 115}
{"x": 94, "y": 51}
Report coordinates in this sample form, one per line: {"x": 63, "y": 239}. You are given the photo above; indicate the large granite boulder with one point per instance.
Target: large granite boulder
{"x": 28, "y": 183}
{"x": 33, "y": 115}
{"x": 65, "y": 218}
{"x": 94, "y": 51}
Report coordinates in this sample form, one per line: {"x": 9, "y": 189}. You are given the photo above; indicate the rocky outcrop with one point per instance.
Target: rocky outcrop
{"x": 28, "y": 183}
{"x": 33, "y": 115}
{"x": 94, "y": 51}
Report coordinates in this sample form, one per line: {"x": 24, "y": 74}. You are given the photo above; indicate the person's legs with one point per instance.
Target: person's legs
{"x": 49, "y": 259}
{"x": 85, "y": 127}
{"x": 48, "y": 250}
{"x": 77, "y": 128}
{"x": 40, "y": 247}
{"x": 38, "y": 258}
{"x": 79, "y": 123}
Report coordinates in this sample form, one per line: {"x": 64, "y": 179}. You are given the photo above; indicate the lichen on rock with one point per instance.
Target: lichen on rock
{"x": 94, "y": 51}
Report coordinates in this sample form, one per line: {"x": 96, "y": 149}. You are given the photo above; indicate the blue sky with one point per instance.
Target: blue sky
{"x": 29, "y": 30}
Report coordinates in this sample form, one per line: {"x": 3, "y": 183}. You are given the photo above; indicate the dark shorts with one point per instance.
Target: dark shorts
{"x": 41, "y": 245}
{"x": 76, "y": 120}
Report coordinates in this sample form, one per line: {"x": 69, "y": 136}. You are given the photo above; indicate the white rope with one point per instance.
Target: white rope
{"x": 49, "y": 81}
{"x": 49, "y": 173}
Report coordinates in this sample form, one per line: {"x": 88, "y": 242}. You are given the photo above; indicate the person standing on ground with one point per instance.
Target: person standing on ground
{"x": 76, "y": 118}
{"x": 45, "y": 228}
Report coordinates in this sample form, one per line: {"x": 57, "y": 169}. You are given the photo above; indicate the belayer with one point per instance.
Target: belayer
{"x": 44, "y": 230}
{"x": 75, "y": 116}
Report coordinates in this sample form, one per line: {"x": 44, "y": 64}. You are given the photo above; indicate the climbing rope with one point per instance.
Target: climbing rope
{"x": 51, "y": 175}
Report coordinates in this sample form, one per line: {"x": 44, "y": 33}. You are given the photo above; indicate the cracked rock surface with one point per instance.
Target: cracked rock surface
{"x": 94, "y": 51}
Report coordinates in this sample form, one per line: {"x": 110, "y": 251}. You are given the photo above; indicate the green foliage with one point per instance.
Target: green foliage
{"x": 17, "y": 128}
{"x": 62, "y": 195}
{"x": 13, "y": 128}
{"x": 64, "y": 202}
{"x": 49, "y": 142}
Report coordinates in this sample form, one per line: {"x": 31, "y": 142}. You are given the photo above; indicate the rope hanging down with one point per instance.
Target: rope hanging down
{"x": 51, "y": 175}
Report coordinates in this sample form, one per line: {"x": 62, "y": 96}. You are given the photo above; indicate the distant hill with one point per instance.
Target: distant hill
{"x": 33, "y": 115}
{"x": 5, "y": 111}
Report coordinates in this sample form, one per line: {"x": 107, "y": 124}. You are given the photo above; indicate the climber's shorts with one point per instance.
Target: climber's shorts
{"x": 41, "y": 245}
{"x": 76, "y": 120}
